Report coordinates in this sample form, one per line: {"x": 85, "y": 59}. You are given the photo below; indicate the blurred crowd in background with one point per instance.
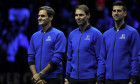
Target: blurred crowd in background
{"x": 18, "y": 21}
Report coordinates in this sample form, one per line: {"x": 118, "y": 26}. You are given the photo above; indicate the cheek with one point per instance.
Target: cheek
{"x": 75, "y": 18}
{"x": 85, "y": 19}
{"x": 47, "y": 21}
{"x": 113, "y": 14}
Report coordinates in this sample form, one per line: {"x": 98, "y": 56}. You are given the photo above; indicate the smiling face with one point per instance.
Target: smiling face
{"x": 81, "y": 17}
{"x": 118, "y": 13}
{"x": 43, "y": 18}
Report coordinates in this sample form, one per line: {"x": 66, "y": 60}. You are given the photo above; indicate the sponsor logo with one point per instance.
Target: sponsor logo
{"x": 122, "y": 36}
{"x": 48, "y": 38}
{"x": 87, "y": 37}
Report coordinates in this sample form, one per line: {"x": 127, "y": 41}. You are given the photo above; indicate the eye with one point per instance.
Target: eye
{"x": 76, "y": 14}
{"x": 80, "y": 14}
{"x": 41, "y": 15}
{"x": 119, "y": 10}
{"x": 114, "y": 10}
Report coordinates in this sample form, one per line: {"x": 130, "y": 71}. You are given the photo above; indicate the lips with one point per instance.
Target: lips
{"x": 40, "y": 21}
{"x": 116, "y": 17}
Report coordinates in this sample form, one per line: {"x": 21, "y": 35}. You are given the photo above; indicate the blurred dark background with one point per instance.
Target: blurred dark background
{"x": 18, "y": 21}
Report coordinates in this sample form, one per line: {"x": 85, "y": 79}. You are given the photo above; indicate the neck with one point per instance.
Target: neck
{"x": 83, "y": 27}
{"x": 45, "y": 27}
{"x": 119, "y": 24}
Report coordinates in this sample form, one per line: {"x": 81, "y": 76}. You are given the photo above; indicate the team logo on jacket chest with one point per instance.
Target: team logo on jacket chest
{"x": 122, "y": 36}
{"x": 48, "y": 38}
{"x": 87, "y": 37}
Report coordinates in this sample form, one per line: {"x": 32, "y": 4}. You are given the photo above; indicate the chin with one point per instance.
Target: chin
{"x": 79, "y": 24}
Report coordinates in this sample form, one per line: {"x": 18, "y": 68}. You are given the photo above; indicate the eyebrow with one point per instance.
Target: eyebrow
{"x": 79, "y": 14}
{"x": 117, "y": 10}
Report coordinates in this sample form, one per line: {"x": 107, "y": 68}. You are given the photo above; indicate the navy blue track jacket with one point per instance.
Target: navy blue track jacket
{"x": 119, "y": 54}
{"x": 47, "y": 48}
{"x": 83, "y": 51}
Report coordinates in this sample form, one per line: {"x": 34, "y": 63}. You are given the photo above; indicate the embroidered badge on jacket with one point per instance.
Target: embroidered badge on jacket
{"x": 48, "y": 38}
{"x": 87, "y": 37}
{"x": 122, "y": 36}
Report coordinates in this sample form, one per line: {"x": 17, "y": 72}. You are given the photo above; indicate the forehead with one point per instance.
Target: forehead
{"x": 117, "y": 7}
{"x": 42, "y": 12}
{"x": 78, "y": 11}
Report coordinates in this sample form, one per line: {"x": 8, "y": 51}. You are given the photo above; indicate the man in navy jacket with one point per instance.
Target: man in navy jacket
{"x": 46, "y": 50}
{"x": 83, "y": 50}
{"x": 118, "y": 60}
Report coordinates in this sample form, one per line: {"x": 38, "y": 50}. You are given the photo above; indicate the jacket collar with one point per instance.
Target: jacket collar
{"x": 122, "y": 27}
{"x": 88, "y": 27}
{"x": 50, "y": 28}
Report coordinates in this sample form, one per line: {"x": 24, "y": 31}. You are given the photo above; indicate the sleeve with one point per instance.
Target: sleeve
{"x": 139, "y": 61}
{"x": 134, "y": 45}
{"x": 69, "y": 58}
{"x": 31, "y": 53}
{"x": 97, "y": 44}
{"x": 101, "y": 62}
{"x": 60, "y": 47}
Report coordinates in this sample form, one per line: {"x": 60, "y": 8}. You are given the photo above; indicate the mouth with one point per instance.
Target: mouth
{"x": 78, "y": 21}
{"x": 116, "y": 16}
{"x": 40, "y": 21}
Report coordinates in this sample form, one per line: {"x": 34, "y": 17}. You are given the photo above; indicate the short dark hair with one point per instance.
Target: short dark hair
{"x": 120, "y": 3}
{"x": 84, "y": 8}
{"x": 49, "y": 10}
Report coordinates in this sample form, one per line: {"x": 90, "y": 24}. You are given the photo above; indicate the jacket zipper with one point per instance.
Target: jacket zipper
{"x": 78, "y": 54}
{"x": 41, "y": 50}
{"x": 113, "y": 54}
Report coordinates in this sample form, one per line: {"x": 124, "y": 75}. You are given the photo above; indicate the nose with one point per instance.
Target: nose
{"x": 116, "y": 12}
{"x": 78, "y": 17}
